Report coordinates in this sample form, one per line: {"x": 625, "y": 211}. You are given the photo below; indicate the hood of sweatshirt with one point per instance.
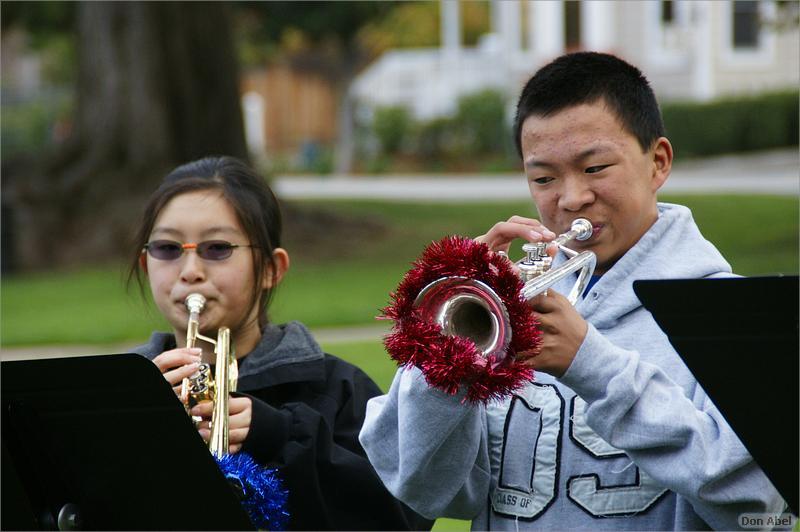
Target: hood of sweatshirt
{"x": 673, "y": 248}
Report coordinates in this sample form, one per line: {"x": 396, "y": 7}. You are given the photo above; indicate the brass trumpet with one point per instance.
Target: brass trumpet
{"x": 201, "y": 386}
{"x": 470, "y": 308}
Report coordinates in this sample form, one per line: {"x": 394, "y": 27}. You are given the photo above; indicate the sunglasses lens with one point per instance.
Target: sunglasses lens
{"x": 215, "y": 250}
{"x": 164, "y": 249}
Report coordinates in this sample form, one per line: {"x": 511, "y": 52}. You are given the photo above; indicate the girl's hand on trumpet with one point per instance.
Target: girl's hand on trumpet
{"x": 240, "y": 414}
{"x": 500, "y": 236}
{"x": 178, "y": 364}
{"x": 563, "y": 332}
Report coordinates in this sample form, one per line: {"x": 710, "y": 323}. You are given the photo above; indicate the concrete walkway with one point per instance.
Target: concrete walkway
{"x": 325, "y": 336}
{"x": 771, "y": 172}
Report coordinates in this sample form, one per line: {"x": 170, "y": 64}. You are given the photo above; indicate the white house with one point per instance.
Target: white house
{"x": 689, "y": 49}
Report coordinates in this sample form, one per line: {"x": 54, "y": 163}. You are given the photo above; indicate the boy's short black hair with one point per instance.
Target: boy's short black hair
{"x": 585, "y": 78}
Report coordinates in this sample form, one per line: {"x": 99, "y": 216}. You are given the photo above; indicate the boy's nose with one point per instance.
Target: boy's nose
{"x": 575, "y": 195}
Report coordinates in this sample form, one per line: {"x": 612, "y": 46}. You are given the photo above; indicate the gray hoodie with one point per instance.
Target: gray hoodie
{"x": 626, "y": 439}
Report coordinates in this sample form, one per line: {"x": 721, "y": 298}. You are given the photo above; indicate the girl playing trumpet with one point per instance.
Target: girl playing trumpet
{"x": 213, "y": 227}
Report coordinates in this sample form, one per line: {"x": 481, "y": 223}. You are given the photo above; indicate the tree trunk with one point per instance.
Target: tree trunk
{"x": 157, "y": 86}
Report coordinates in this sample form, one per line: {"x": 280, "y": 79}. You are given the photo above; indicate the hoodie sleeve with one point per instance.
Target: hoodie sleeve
{"x": 331, "y": 483}
{"x": 429, "y": 449}
{"x": 681, "y": 441}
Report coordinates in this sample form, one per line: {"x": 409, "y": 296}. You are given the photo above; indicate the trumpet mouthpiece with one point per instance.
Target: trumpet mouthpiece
{"x": 195, "y": 303}
{"x": 583, "y": 229}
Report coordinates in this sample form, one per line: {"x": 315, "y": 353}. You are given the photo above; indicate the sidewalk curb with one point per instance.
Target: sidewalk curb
{"x": 326, "y": 335}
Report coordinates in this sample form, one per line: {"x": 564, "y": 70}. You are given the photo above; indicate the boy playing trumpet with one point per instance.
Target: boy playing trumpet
{"x": 614, "y": 432}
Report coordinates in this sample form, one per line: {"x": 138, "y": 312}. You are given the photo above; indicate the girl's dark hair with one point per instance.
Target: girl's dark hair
{"x": 588, "y": 77}
{"x": 256, "y": 207}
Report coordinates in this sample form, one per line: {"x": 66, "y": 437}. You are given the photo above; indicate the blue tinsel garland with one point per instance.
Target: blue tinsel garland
{"x": 264, "y": 496}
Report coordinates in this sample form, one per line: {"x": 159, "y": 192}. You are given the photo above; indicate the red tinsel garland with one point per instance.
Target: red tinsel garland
{"x": 450, "y": 362}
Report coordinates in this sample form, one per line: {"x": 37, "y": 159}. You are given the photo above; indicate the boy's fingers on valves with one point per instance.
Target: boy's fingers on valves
{"x": 502, "y": 234}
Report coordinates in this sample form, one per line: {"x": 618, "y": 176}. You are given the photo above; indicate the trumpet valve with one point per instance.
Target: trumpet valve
{"x": 200, "y": 386}
{"x": 536, "y": 261}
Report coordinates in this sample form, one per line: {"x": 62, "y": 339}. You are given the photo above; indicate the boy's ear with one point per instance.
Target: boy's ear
{"x": 662, "y": 162}
{"x": 280, "y": 258}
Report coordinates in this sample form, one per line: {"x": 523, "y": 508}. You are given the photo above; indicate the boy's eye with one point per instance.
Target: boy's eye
{"x": 542, "y": 180}
{"x": 595, "y": 169}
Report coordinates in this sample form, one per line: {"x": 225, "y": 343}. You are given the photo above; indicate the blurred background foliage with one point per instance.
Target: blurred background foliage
{"x": 337, "y": 40}
{"x": 334, "y": 39}
{"x": 416, "y": 24}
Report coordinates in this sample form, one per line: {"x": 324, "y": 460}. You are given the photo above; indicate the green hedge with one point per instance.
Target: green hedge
{"x": 479, "y": 126}
{"x": 479, "y": 131}
{"x": 733, "y": 124}
{"x": 392, "y": 126}
{"x": 480, "y": 122}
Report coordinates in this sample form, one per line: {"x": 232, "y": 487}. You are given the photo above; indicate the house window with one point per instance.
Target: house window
{"x": 746, "y": 22}
{"x": 667, "y": 12}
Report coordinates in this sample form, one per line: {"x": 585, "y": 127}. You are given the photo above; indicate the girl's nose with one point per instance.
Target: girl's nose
{"x": 192, "y": 270}
{"x": 575, "y": 195}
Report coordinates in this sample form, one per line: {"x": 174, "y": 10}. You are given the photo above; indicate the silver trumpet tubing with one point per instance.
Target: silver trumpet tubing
{"x": 201, "y": 386}
{"x": 535, "y": 267}
{"x": 472, "y": 309}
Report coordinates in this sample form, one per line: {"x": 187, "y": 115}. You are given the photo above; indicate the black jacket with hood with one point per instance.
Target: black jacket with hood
{"x": 308, "y": 407}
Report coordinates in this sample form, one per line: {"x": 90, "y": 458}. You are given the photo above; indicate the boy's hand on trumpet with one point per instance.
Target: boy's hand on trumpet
{"x": 240, "y": 414}
{"x": 178, "y": 364}
{"x": 563, "y": 332}
{"x": 500, "y": 236}
{"x": 563, "y": 329}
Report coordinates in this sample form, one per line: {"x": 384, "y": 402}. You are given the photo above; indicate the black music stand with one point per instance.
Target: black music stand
{"x": 102, "y": 443}
{"x": 739, "y": 337}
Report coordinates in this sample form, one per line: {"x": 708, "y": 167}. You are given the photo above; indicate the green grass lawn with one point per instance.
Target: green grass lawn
{"x": 348, "y": 285}
{"x": 367, "y": 355}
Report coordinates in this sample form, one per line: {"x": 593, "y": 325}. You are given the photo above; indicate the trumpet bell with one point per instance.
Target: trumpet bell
{"x": 468, "y": 308}
{"x": 484, "y": 289}
{"x": 455, "y": 310}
